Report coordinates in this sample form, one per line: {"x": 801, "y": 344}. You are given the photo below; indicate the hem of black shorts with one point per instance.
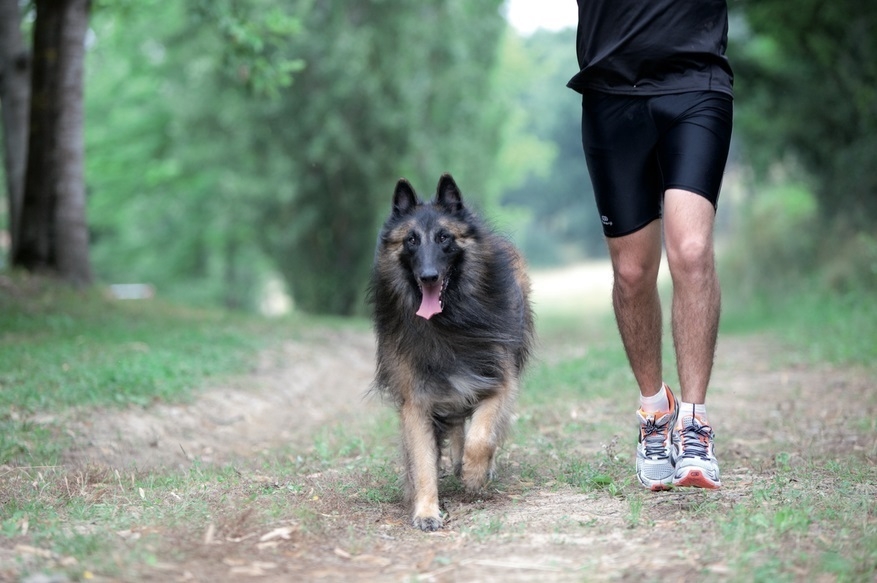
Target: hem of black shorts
{"x": 693, "y": 190}
{"x": 633, "y": 230}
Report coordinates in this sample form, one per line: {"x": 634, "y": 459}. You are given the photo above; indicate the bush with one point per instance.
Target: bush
{"x": 812, "y": 283}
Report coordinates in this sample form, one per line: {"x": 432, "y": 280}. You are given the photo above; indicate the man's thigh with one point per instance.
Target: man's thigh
{"x": 619, "y": 139}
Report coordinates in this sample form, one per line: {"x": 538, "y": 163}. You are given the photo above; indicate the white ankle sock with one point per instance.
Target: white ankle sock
{"x": 686, "y": 409}
{"x": 656, "y": 403}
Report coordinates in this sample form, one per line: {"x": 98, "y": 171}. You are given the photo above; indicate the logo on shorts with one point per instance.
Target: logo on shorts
{"x": 606, "y": 221}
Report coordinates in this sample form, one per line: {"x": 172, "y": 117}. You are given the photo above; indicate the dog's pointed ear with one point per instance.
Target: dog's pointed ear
{"x": 404, "y": 198}
{"x": 447, "y": 194}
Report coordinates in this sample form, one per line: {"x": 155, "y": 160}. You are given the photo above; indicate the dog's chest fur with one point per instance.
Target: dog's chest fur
{"x": 455, "y": 376}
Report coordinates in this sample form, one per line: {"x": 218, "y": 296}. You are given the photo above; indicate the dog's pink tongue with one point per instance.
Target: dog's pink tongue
{"x": 430, "y": 304}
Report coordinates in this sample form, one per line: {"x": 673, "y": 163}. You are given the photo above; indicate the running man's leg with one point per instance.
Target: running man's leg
{"x": 693, "y": 151}
{"x": 688, "y": 232}
{"x": 636, "y": 259}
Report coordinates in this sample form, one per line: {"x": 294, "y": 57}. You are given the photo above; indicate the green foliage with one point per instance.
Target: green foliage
{"x": 815, "y": 288}
{"x": 773, "y": 245}
{"x": 390, "y": 88}
{"x": 232, "y": 139}
{"x": 543, "y": 150}
{"x": 807, "y": 88}
{"x": 170, "y": 165}
{"x": 253, "y": 35}
{"x": 806, "y": 82}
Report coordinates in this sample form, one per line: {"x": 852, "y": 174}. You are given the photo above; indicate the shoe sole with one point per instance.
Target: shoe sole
{"x": 656, "y": 486}
{"x": 696, "y": 479}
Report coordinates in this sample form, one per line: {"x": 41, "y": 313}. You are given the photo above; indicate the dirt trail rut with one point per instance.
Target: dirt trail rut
{"x": 295, "y": 390}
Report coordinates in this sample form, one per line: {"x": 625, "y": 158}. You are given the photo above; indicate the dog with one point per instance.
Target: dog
{"x": 454, "y": 330}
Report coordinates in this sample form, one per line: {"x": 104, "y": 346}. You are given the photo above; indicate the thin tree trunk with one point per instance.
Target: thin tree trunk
{"x": 54, "y": 234}
{"x": 35, "y": 249}
{"x": 14, "y": 103}
{"x": 71, "y": 228}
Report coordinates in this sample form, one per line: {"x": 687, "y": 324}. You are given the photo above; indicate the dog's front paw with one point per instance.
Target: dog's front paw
{"x": 474, "y": 482}
{"x": 427, "y": 523}
{"x": 476, "y": 476}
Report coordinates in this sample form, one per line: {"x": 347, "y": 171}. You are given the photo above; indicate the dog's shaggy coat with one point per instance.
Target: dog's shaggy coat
{"x": 454, "y": 330}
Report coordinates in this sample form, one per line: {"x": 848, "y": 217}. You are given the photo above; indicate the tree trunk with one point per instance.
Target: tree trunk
{"x": 14, "y": 103}
{"x": 54, "y": 232}
{"x": 71, "y": 228}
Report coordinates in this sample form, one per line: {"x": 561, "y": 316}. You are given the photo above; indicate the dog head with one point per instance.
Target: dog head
{"x": 428, "y": 239}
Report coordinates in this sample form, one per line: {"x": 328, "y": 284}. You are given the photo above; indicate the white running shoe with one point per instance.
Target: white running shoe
{"x": 655, "y": 453}
{"x": 696, "y": 464}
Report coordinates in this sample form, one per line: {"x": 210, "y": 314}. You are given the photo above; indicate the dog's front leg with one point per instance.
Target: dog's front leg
{"x": 486, "y": 431}
{"x": 421, "y": 460}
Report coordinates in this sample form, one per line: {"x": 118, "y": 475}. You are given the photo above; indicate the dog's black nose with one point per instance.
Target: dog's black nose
{"x": 430, "y": 276}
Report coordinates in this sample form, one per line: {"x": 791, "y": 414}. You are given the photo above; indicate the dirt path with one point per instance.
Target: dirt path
{"x": 295, "y": 390}
{"x": 761, "y": 406}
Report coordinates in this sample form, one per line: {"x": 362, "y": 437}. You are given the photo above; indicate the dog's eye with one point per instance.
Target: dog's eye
{"x": 412, "y": 239}
{"x": 443, "y": 237}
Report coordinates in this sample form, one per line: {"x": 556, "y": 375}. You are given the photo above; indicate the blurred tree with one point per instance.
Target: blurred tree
{"x": 391, "y": 87}
{"x": 175, "y": 143}
{"x": 14, "y": 104}
{"x": 564, "y": 224}
{"x": 808, "y": 71}
{"x": 53, "y": 234}
{"x": 224, "y": 133}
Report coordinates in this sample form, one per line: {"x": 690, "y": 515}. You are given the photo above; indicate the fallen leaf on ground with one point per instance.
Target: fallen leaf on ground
{"x": 373, "y": 560}
{"x": 29, "y": 550}
{"x": 283, "y": 532}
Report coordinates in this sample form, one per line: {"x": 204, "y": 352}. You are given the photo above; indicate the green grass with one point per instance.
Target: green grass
{"x": 116, "y": 523}
{"x": 85, "y": 350}
{"x": 824, "y": 510}
{"x": 596, "y": 373}
{"x": 818, "y": 324}
{"x": 60, "y": 348}
{"x": 484, "y": 526}
{"x": 810, "y": 515}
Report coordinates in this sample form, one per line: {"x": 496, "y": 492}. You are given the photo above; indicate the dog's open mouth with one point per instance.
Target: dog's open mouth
{"x": 431, "y": 299}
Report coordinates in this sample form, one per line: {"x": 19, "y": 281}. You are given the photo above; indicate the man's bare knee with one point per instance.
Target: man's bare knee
{"x": 691, "y": 257}
{"x": 633, "y": 278}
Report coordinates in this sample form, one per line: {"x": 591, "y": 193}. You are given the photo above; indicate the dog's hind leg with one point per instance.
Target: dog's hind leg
{"x": 421, "y": 461}
{"x": 456, "y": 441}
{"x": 486, "y": 431}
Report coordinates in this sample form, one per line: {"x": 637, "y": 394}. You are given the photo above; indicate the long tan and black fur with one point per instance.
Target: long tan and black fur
{"x": 453, "y": 370}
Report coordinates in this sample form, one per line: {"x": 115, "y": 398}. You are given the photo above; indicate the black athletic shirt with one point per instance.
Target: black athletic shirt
{"x": 652, "y": 47}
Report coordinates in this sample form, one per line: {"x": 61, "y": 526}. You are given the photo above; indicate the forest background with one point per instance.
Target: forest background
{"x": 225, "y": 153}
{"x": 235, "y": 148}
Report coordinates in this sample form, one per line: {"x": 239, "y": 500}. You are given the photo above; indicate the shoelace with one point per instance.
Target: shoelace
{"x": 654, "y": 437}
{"x": 695, "y": 440}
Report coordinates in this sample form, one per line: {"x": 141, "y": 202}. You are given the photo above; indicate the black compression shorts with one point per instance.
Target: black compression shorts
{"x": 637, "y": 147}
